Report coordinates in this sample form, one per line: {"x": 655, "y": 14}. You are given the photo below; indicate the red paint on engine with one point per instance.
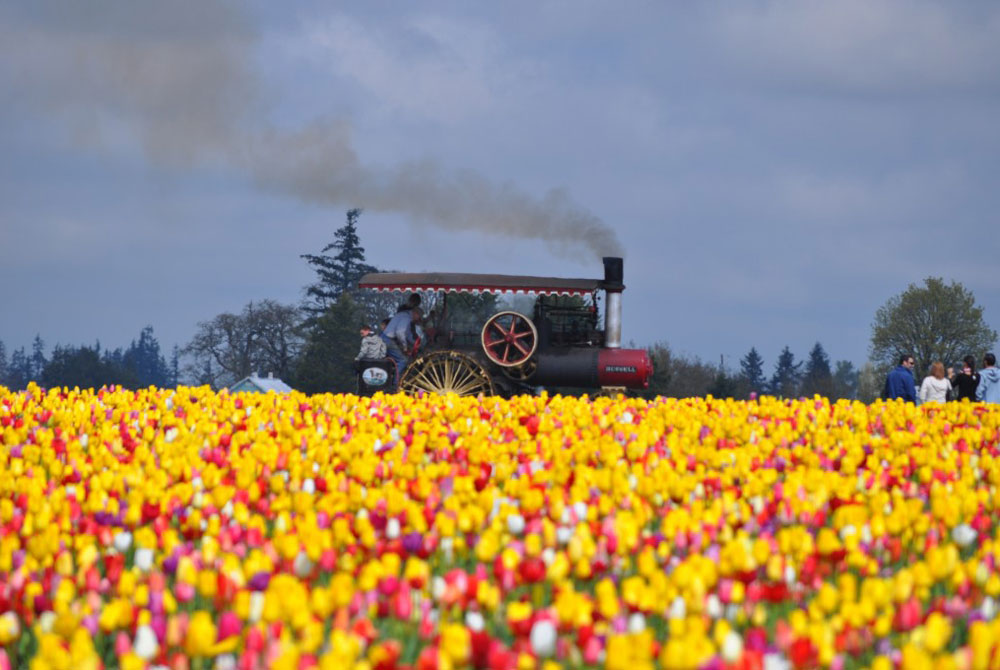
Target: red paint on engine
{"x": 630, "y": 368}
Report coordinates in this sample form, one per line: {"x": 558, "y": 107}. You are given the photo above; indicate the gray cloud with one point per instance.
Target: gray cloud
{"x": 179, "y": 79}
{"x": 866, "y": 46}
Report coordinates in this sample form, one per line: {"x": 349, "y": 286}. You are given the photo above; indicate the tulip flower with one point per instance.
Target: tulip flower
{"x": 319, "y": 532}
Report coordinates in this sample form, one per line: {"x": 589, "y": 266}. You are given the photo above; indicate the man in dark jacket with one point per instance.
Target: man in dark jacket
{"x": 899, "y": 383}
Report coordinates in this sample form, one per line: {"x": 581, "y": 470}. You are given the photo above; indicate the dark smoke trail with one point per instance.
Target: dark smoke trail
{"x": 178, "y": 75}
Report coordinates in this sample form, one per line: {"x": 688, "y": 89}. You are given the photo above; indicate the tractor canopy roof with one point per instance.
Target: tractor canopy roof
{"x": 459, "y": 282}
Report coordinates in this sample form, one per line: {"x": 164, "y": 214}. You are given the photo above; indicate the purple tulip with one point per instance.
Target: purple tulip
{"x": 412, "y": 542}
{"x": 260, "y": 581}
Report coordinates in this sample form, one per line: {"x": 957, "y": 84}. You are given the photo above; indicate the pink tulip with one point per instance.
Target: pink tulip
{"x": 183, "y": 592}
{"x": 388, "y": 586}
{"x": 229, "y": 625}
{"x": 402, "y": 603}
{"x": 255, "y": 641}
{"x": 592, "y": 651}
{"x": 159, "y": 626}
{"x": 123, "y": 645}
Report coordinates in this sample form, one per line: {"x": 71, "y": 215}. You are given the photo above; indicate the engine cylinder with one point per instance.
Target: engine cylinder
{"x": 594, "y": 368}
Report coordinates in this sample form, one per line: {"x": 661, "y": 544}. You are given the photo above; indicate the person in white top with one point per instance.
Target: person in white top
{"x": 935, "y": 387}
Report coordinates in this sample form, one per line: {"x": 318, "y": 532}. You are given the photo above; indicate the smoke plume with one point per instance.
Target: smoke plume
{"x": 178, "y": 77}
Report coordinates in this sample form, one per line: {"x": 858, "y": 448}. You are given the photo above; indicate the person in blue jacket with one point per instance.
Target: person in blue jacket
{"x": 899, "y": 383}
{"x": 989, "y": 381}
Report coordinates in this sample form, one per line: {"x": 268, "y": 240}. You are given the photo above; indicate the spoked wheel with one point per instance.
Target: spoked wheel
{"x": 522, "y": 372}
{"x": 446, "y": 372}
{"x": 509, "y": 339}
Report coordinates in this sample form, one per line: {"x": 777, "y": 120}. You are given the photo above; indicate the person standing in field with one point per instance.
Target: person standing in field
{"x": 899, "y": 382}
{"x": 989, "y": 381}
{"x": 935, "y": 387}
{"x": 967, "y": 380}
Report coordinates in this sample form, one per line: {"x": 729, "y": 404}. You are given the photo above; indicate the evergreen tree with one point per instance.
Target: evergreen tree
{"x": 38, "y": 359}
{"x": 85, "y": 368}
{"x": 752, "y": 370}
{"x": 818, "y": 379}
{"x": 115, "y": 357}
{"x": 3, "y": 364}
{"x": 175, "y": 366}
{"x": 327, "y": 362}
{"x": 845, "y": 380}
{"x": 723, "y": 384}
{"x": 19, "y": 370}
{"x": 117, "y": 371}
{"x": 339, "y": 273}
{"x": 787, "y": 375}
{"x": 144, "y": 360}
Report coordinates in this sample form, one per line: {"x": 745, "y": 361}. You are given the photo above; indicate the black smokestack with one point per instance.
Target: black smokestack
{"x": 614, "y": 272}
{"x": 613, "y": 287}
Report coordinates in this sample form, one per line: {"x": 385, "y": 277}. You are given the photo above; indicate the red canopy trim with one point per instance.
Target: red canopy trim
{"x": 453, "y": 282}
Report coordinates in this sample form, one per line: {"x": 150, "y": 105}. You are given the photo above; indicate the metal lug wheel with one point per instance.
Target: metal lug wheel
{"x": 446, "y": 372}
{"x": 522, "y": 372}
{"x": 509, "y": 339}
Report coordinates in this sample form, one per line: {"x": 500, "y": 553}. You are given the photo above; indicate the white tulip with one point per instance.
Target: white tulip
{"x": 774, "y": 661}
{"x": 122, "y": 541}
{"x": 144, "y": 559}
{"x": 145, "y": 645}
{"x": 303, "y": 565}
{"x": 543, "y": 638}
{"x": 732, "y": 647}
{"x": 963, "y": 534}
{"x": 678, "y": 609}
{"x": 474, "y": 621}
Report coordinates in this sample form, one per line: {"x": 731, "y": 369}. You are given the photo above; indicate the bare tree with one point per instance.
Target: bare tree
{"x": 263, "y": 338}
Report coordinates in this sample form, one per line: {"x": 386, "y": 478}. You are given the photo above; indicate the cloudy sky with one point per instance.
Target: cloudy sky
{"x": 772, "y": 170}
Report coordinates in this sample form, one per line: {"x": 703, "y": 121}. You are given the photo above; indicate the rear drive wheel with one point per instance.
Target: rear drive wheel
{"x": 446, "y": 372}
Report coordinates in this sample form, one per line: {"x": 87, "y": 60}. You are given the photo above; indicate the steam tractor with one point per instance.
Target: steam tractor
{"x": 560, "y": 345}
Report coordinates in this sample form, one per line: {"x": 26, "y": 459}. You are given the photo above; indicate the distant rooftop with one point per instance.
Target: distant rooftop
{"x": 258, "y": 384}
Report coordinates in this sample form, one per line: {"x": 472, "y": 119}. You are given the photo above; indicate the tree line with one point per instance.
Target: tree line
{"x": 311, "y": 345}
{"x": 681, "y": 376}
{"x": 139, "y": 365}
{"x": 937, "y": 321}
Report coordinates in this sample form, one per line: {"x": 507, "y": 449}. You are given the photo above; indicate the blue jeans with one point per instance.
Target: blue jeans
{"x": 400, "y": 358}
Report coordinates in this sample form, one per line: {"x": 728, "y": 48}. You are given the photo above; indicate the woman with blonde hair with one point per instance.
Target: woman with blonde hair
{"x": 935, "y": 387}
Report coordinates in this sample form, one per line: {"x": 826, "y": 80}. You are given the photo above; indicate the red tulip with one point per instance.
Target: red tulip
{"x": 402, "y": 603}
{"x": 428, "y": 659}
{"x": 532, "y": 570}
{"x": 501, "y": 658}
{"x": 802, "y": 653}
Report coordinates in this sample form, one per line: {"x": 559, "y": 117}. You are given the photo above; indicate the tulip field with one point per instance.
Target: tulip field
{"x": 191, "y": 529}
